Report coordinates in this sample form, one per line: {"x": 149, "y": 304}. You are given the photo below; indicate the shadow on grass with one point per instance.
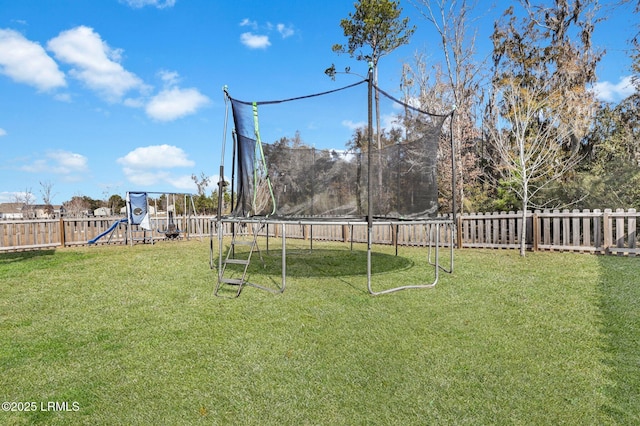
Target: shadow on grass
{"x": 330, "y": 263}
{"x": 19, "y": 256}
{"x": 336, "y": 264}
{"x": 620, "y": 308}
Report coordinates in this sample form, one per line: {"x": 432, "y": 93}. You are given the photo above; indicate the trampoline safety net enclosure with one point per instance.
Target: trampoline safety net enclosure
{"x": 291, "y": 174}
{"x": 322, "y": 158}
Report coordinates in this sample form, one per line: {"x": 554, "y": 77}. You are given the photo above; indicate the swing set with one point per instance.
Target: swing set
{"x": 150, "y": 221}
{"x": 145, "y": 223}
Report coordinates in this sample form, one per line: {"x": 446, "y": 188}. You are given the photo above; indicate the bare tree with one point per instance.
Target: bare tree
{"x": 46, "y": 191}
{"x": 460, "y": 77}
{"x": 78, "y": 206}
{"x": 529, "y": 140}
{"x": 27, "y": 200}
{"x": 201, "y": 182}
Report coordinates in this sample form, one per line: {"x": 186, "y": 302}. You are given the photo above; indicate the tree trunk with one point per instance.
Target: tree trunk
{"x": 523, "y": 227}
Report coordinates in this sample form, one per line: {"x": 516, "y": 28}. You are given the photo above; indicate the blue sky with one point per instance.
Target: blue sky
{"x": 99, "y": 97}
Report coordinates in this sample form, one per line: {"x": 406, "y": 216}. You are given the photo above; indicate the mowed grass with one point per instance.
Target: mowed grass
{"x": 134, "y": 335}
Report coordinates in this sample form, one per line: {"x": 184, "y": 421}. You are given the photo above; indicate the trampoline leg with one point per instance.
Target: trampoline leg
{"x": 436, "y": 266}
{"x": 369, "y": 237}
{"x": 450, "y": 270}
{"x": 284, "y": 257}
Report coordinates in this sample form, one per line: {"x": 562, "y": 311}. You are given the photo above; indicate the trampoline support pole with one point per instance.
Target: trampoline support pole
{"x": 284, "y": 256}
{"x": 369, "y": 238}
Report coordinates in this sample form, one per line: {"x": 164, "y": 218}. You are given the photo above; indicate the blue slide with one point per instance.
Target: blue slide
{"x": 108, "y": 231}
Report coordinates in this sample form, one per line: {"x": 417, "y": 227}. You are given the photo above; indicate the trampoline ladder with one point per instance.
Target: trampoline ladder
{"x": 245, "y": 262}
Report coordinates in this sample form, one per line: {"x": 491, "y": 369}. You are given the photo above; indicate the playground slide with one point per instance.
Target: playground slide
{"x": 108, "y": 231}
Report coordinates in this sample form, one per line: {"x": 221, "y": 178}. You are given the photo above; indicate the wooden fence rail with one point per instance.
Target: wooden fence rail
{"x": 597, "y": 231}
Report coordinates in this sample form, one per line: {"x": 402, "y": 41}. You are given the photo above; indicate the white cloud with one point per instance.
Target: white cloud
{"x": 27, "y": 62}
{"x": 391, "y": 121}
{"x": 9, "y": 197}
{"x": 388, "y": 122}
{"x": 145, "y": 177}
{"x": 62, "y": 97}
{"x": 284, "y": 30}
{"x": 156, "y": 157}
{"x": 58, "y": 162}
{"x": 160, "y": 4}
{"x": 169, "y": 78}
{"x": 149, "y": 165}
{"x": 173, "y": 103}
{"x": 16, "y": 197}
{"x": 254, "y": 41}
{"x": 609, "y": 92}
{"x": 183, "y": 182}
{"x": 248, "y": 23}
{"x": 134, "y": 102}
{"x": 3, "y": 132}
{"x": 96, "y": 64}
{"x": 261, "y": 41}
{"x": 351, "y": 125}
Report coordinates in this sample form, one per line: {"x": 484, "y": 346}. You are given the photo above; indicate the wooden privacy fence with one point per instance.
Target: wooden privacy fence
{"x": 602, "y": 232}
{"x": 66, "y": 232}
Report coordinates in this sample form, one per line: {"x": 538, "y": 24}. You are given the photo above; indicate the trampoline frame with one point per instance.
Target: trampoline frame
{"x": 433, "y": 243}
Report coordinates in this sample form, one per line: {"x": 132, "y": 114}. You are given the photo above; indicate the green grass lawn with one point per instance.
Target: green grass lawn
{"x": 134, "y": 335}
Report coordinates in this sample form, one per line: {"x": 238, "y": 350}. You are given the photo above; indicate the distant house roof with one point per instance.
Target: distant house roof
{"x": 102, "y": 211}
{"x": 16, "y": 210}
{"x": 10, "y": 207}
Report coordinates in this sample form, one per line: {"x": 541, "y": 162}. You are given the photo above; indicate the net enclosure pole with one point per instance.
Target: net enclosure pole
{"x": 453, "y": 184}
{"x": 369, "y": 174}
{"x": 220, "y": 186}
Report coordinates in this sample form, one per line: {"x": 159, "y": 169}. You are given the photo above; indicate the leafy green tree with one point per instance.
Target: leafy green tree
{"x": 204, "y": 204}
{"x": 635, "y": 53}
{"x": 116, "y": 202}
{"x": 540, "y": 108}
{"x": 373, "y": 31}
{"x": 551, "y": 47}
{"x": 610, "y": 174}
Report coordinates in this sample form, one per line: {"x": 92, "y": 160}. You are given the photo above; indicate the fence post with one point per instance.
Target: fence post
{"x": 394, "y": 235}
{"x": 606, "y": 226}
{"x": 513, "y": 232}
{"x": 586, "y": 229}
{"x": 536, "y": 230}
{"x": 575, "y": 228}
{"x": 597, "y": 230}
{"x": 62, "y": 237}
{"x": 620, "y": 230}
{"x": 459, "y": 231}
{"x": 631, "y": 231}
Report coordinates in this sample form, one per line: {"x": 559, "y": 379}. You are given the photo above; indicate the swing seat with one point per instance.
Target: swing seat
{"x": 172, "y": 232}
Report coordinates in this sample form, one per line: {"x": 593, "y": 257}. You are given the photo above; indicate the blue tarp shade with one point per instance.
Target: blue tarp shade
{"x": 138, "y": 214}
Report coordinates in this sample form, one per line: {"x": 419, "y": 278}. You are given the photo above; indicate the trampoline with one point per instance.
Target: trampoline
{"x": 318, "y": 177}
